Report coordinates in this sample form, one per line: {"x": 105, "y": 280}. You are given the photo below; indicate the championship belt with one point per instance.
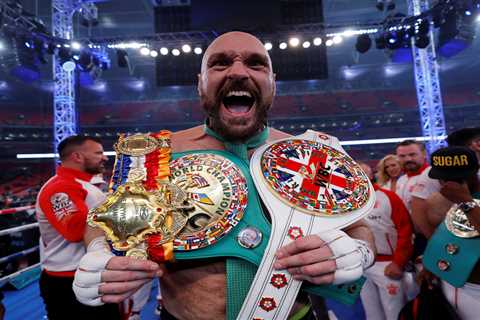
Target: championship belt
{"x": 309, "y": 185}
{"x": 452, "y": 251}
{"x": 144, "y": 211}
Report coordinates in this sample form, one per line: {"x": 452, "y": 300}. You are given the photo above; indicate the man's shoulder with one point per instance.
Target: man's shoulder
{"x": 59, "y": 185}
{"x": 275, "y": 134}
{"x": 193, "y": 139}
{"x": 188, "y": 133}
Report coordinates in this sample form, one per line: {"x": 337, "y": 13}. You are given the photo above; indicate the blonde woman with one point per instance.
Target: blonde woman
{"x": 388, "y": 172}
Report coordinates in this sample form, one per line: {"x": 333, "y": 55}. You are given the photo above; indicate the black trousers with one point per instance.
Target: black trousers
{"x": 61, "y": 304}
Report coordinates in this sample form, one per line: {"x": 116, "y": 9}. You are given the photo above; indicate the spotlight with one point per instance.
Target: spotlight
{"x": 176, "y": 52}
{"x": 422, "y": 41}
{"x": 122, "y": 58}
{"x": 294, "y": 42}
{"x": 68, "y": 66}
{"x": 306, "y": 44}
{"x": 380, "y": 42}
{"x": 186, "y": 48}
{"x": 40, "y": 48}
{"x": 64, "y": 53}
{"x": 380, "y": 5}
{"x": 144, "y": 51}
{"x": 364, "y": 43}
{"x": 153, "y": 53}
{"x": 85, "y": 61}
{"x": 456, "y": 33}
{"x": 2, "y": 46}
{"x": 198, "y": 50}
{"x": 268, "y": 46}
{"x": 329, "y": 42}
{"x": 282, "y": 45}
{"x": 394, "y": 40}
{"x": 76, "y": 45}
{"x": 422, "y": 27}
{"x": 317, "y": 41}
{"x": 163, "y": 51}
{"x": 337, "y": 39}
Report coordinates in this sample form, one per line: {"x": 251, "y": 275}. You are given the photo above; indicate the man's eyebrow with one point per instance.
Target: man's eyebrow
{"x": 257, "y": 56}
{"x": 215, "y": 56}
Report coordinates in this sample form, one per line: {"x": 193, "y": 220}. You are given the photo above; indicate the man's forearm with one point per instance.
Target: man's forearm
{"x": 91, "y": 233}
{"x": 360, "y": 230}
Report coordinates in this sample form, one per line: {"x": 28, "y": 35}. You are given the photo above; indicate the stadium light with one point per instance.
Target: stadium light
{"x": 294, "y": 42}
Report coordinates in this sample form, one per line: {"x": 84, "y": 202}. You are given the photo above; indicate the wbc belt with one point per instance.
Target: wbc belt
{"x": 452, "y": 251}
{"x": 309, "y": 185}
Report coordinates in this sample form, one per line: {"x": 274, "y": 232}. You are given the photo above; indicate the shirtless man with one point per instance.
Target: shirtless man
{"x": 449, "y": 255}
{"x": 236, "y": 88}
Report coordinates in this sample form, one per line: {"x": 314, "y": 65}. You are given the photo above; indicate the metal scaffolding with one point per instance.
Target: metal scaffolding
{"x": 427, "y": 82}
{"x": 65, "y": 118}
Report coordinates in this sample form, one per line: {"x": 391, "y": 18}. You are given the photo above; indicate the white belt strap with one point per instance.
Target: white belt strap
{"x": 273, "y": 292}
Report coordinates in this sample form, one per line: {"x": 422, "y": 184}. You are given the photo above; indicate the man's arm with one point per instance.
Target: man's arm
{"x": 438, "y": 206}
{"x": 104, "y": 278}
{"x": 420, "y": 217}
{"x": 360, "y": 230}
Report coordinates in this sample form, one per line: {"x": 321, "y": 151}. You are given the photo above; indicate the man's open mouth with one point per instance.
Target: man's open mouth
{"x": 238, "y": 101}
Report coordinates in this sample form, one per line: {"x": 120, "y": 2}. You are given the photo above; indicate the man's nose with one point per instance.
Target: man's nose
{"x": 238, "y": 71}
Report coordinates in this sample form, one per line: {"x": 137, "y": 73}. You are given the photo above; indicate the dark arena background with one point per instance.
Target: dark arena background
{"x": 370, "y": 72}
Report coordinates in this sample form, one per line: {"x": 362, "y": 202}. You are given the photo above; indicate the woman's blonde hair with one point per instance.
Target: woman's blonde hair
{"x": 382, "y": 176}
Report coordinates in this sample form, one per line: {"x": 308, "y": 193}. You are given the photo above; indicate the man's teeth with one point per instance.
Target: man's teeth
{"x": 239, "y": 94}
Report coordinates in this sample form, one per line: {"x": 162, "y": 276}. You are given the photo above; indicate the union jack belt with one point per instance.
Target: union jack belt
{"x": 309, "y": 184}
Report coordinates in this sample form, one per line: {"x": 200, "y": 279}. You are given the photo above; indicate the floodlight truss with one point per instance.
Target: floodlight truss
{"x": 64, "y": 109}
{"x": 427, "y": 82}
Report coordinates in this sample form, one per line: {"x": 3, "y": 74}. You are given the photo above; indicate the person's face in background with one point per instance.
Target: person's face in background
{"x": 92, "y": 156}
{"x": 392, "y": 168}
{"x": 411, "y": 157}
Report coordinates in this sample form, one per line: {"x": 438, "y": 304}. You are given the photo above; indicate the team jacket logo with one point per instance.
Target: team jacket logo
{"x": 62, "y": 205}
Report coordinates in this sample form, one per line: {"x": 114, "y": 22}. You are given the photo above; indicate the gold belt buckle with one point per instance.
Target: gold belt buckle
{"x": 458, "y": 224}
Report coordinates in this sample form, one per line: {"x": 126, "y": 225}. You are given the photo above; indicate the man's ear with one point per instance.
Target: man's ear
{"x": 274, "y": 84}
{"x": 199, "y": 84}
{"x": 76, "y": 156}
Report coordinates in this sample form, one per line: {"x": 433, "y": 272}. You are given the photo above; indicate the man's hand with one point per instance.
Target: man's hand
{"x": 330, "y": 257}
{"x": 124, "y": 276}
{"x": 393, "y": 271}
{"x": 103, "y": 278}
{"x": 309, "y": 259}
{"x": 429, "y": 278}
{"x": 456, "y": 192}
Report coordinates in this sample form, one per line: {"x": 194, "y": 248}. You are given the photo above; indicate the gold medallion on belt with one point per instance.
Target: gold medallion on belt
{"x": 457, "y": 223}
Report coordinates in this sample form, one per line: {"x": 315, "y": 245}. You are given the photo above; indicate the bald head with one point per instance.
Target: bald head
{"x": 233, "y": 40}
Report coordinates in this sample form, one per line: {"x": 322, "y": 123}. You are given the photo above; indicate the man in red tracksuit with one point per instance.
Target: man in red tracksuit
{"x": 383, "y": 294}
{"x": 62, "y": 207}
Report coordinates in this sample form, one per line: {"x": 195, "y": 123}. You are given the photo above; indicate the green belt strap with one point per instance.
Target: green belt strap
{"x": 240, "y": 274}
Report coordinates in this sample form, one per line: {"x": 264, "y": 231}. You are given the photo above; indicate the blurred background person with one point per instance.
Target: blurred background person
{"x": 383, "y": 294}
{"x": 388, "y": 172}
